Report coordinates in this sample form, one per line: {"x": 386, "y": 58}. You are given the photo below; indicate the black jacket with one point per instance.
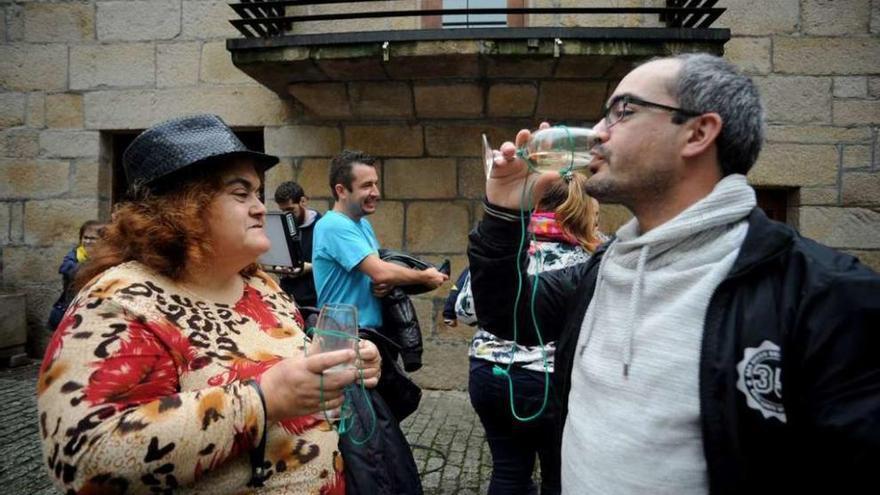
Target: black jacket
{"x": 378, "y": 459}
{"x": 68, "y": 269}
{"x": 400, "y": 323}
{"x": 302, "y": 288}
{"x": 801, "y": 321}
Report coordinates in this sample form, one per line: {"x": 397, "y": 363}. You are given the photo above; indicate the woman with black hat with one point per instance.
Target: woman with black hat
{"x": 180, "y": 365}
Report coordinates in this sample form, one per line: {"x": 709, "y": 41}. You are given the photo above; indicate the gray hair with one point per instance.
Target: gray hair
{"x": 707, "y": 83}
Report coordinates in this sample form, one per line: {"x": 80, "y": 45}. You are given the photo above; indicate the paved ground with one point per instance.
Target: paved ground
{"x": 447, "y": 437}
{"x": 21, "y": 463}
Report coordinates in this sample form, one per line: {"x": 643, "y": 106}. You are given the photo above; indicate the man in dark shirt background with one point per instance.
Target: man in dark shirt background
{"x": 299, "y": 284}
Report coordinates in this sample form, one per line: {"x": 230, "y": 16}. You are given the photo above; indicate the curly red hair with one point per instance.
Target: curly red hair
{"x": 164, "y": 228}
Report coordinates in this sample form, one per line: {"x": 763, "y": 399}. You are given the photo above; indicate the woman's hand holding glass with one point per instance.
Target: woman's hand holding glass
{"x": 370, "y": 363}
{"x": 295, "y": 387}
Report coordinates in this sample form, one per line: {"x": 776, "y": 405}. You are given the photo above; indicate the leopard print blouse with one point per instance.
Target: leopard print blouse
{"x": 144, "y": 389}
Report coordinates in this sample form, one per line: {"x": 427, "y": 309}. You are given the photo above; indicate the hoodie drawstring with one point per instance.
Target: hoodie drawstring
{"x": 635, "y": 298}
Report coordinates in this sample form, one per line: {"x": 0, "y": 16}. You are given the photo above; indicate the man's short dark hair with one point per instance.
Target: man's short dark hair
{"x": 341, "y": 168}
{"x": 289, "y": 191}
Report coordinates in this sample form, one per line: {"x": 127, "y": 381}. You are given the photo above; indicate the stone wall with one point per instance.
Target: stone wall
{"x": 71, "y": 74}
{"x": 817, "y": 64}
{"x": 74, "y": 72}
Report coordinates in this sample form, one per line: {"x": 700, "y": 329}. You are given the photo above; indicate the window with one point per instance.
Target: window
{"x": 774, "y": 202}
{"x": 474, "y": 20}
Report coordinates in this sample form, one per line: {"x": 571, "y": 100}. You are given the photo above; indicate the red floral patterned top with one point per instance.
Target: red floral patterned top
{"x": 143, "y": 389}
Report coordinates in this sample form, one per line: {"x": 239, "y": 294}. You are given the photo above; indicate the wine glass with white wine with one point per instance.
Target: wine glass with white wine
{"x": 336, "y": 329}
{"x": 559, "y": 149}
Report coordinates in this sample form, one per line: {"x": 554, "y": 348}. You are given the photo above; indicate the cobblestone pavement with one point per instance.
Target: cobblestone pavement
{"x": 448, "y": 442}
{"x": 21, "y": 463}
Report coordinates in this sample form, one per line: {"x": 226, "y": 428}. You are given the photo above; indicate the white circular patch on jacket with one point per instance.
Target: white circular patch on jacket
{"x": 760, "y": 379}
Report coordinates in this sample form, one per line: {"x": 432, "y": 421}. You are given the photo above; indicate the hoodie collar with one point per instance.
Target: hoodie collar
{"x": 731, "y": 200}
{"x": 311, "y": 217}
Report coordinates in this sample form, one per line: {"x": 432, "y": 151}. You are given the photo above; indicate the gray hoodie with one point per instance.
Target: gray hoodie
{"x": 634, "y": 420}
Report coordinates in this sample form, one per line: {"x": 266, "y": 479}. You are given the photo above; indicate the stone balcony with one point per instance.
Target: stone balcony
{"x": 318, "y": 69}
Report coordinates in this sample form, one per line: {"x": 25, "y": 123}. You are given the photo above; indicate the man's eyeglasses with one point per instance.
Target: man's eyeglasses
{"x": 619, "y": 108}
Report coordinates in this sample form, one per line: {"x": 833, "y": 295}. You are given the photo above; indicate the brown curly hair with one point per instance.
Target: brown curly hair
{"x": 163, "y": 227}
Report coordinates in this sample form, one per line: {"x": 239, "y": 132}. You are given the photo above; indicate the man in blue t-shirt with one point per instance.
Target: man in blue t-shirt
{"x": 345, "y": 261}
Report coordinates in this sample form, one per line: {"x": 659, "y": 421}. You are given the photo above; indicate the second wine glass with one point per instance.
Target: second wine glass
{"x": 336, "y": 329}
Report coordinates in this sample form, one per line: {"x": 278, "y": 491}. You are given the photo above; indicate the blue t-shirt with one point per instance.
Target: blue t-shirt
{"x": 339, "y": 245}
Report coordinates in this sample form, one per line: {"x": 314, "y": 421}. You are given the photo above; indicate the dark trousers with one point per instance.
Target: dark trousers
{"x": 514, "y": 444}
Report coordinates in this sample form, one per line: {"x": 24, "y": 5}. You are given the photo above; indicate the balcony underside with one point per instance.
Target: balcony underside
{"x": 483, "y": 56}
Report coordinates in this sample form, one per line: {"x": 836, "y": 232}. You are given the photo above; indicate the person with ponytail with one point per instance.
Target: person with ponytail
{"x": 563, "y": 233}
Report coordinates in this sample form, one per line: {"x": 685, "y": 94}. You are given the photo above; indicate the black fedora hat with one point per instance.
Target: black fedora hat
{"x": 173, "y": 145}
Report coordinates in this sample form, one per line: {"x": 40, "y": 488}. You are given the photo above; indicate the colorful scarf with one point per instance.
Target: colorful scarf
{"x": 545, "y": 227}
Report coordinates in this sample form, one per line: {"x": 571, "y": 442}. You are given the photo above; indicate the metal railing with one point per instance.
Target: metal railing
{"x": 268, "y": 19}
